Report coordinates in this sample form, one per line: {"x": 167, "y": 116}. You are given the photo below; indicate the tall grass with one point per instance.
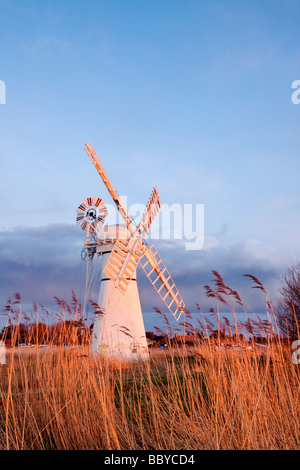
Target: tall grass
{"x": 205, "y": 397}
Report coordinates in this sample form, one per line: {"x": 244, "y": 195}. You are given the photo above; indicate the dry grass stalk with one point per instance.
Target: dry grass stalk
{"x": 219, "y": 394}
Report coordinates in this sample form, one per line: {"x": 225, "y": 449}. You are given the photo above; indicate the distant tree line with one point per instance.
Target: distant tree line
{"x": 69, "y": 332}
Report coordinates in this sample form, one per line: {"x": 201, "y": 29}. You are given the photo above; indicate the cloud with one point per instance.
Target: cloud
{"x": 191, "y": 271}
{"x": 40, "y": 263}
{"x": 44, "y": 262}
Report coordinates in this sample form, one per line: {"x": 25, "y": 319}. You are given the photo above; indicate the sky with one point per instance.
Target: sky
{"x": 192, "y": 96}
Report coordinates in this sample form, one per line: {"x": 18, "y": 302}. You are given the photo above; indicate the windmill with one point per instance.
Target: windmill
{"x": 118, "y": 327}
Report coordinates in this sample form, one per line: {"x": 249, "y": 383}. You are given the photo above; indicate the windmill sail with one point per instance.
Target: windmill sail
{"x": 124, "y": 258}
{"x": 128, "y": 253}
{"x": 161, "y": 280}
{"x": 122, "y": 263}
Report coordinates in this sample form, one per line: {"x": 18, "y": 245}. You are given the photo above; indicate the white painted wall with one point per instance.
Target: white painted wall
{"x": 120, "y": 332}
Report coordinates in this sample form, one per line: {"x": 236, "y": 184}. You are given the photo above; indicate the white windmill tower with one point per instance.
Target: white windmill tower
{"x": 119, "y": 328}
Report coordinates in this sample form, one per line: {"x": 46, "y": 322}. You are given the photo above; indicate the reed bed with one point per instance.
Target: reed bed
{"x": 200, "y": 398}
{"x": 218, "y": 394}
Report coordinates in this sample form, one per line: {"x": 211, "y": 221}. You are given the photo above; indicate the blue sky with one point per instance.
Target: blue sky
{"x": 193, "y": 96}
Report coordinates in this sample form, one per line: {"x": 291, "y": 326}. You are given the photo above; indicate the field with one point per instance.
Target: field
{"x": 202, "y": 397}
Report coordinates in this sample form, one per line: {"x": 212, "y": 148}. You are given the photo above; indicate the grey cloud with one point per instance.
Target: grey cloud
{"x": 40, "y": 263}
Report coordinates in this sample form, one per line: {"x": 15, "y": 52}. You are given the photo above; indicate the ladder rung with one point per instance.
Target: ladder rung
{"x": 116, "y": 248}
{"x": 166, "y": 296}
{"x": 122, "y": 289}
{"x": 156, "y": 280}
{"x": 111, "y": 267}
{"x": 123, "y": 282}
{"x": 115, "y": 262}
{"x": 117, "y": 255}
{"x": 160, "y": 288}
{"x": 129, "y": 273}
{"x": 122, "y": 243}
